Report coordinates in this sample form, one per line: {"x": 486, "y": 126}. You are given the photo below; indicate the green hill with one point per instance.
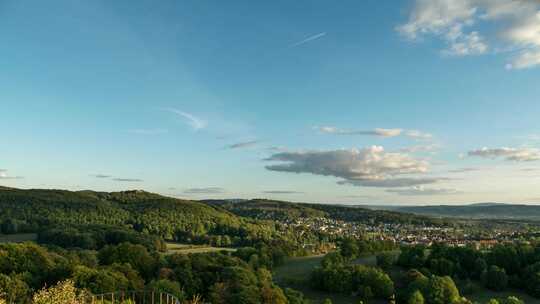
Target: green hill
{"x": 170, "y": 218}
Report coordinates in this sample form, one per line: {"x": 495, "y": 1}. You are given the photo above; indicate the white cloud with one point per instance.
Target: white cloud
{"x": 369, "y": 167}
{"x": 512, "y": 154}
{"x": 193, "y": 121}
{"x": 420, "y": 190}
{"x": 458, "y": 24}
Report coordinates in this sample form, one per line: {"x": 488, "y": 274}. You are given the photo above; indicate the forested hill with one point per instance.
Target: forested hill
{"x": 474, "y": 211}
{"x": 169, "y": 218}
{"x": 280, "y": 210}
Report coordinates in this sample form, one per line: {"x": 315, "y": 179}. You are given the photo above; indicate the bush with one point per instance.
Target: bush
{"x": 495, "y": 278}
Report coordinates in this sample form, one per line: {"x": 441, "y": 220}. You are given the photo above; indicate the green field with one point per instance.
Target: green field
{"x": 188, "y": 248}
{"x": 18, "y": 238}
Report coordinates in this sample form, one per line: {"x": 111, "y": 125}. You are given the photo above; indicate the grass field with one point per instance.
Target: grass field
{"x": 188, "y": 248}
{"x": 17, "y": 238}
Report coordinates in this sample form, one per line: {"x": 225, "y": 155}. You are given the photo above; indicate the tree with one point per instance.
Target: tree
{"x": 385, "y": 260}
{"x": 441, "y": 290}
{"x": 327, "y": 301}
{"x": 63, "y": 293}
{"x": 416, "y": 298}
{"x": 512, "y": 300}
{"x": 495, "y": 278}
{"x": 295, "y": 296}
{"x": 349, "y": 248}
{"x": 13, "y": 289}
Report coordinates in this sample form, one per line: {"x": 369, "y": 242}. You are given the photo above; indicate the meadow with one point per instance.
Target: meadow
{"x": 188, "y": 248}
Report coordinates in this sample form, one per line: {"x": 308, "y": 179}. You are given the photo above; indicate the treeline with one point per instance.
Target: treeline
{"x": 95, "y": 237}
{"x": 336, "y": 275}
{"x": 214, "y": 277}
{"x": 503, "y": 266}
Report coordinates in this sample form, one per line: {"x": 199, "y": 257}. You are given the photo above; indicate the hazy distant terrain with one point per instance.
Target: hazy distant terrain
{"x": 474, "y": 211}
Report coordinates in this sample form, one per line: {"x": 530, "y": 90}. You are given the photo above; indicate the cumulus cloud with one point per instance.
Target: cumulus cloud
{"x": 245, "y": 144}
{"x": 512, "y": 154}
{"x": 132, "y": 180}
{"x": 369, "y": 167}
{"x": 459, "y": 23}
{"x": 205, "y": 190}
{"x": 5, "y": 175}
{"x": 463, "y": 170}
{"x": 420, "y": 190}
{"x": 193, "y": 121}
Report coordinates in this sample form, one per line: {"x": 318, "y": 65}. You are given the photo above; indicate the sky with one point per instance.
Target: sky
{"x": 354, "y": 102}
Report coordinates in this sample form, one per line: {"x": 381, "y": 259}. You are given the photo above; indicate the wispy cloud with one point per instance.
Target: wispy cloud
{"x": 205, "y": 190}
{"x": 148, "y": 131}
{"x": 5, "y": 175}
{"x": 381, "y": 132}
{"x": 512, "y": 154}
{"x": 420, "y": 190}
{"x": 375, "y": 132}
{"x": 132, "y": 180}
{"x": 282, "y": 192}
{"x": 245, "y": 144}
{"x": 100, "y": 175}
{"x": 193, "y": 121}
{"x": 308, "y": 39}
{"x": 463, "y": 170}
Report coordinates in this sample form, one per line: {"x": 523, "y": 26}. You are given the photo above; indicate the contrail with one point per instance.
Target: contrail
{"x": 308, "y": 39}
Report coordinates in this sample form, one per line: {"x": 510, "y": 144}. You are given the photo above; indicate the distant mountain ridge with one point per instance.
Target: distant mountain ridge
{"x": 472, "y": 211}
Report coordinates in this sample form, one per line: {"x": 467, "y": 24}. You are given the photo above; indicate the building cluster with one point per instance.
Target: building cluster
{"x": 409, "y": 234}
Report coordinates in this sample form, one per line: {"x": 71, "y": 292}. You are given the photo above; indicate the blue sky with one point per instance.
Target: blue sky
{"x": 357, "y": 102}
